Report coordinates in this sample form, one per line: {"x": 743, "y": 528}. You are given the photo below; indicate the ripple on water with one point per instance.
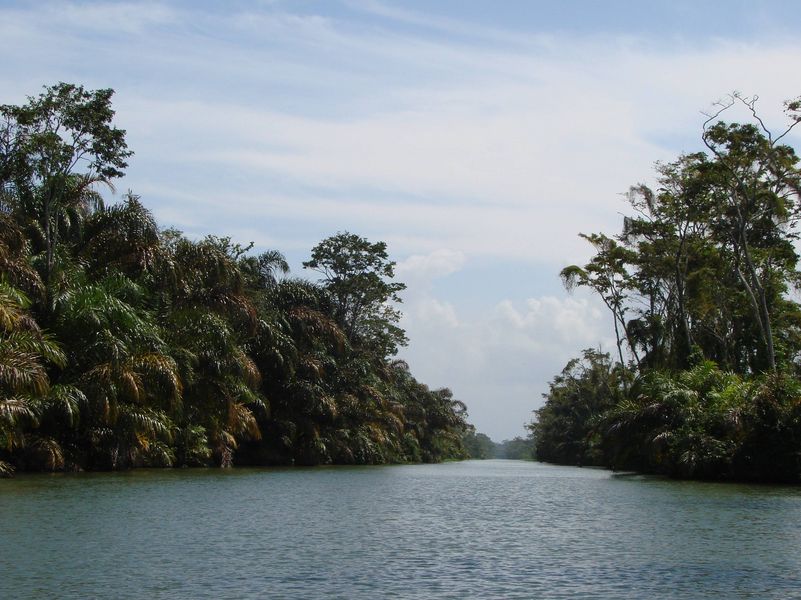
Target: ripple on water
{"x": 481, "y": 529}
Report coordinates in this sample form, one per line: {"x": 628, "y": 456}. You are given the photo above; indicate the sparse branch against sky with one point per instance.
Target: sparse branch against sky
{"x": 476, "y": 138}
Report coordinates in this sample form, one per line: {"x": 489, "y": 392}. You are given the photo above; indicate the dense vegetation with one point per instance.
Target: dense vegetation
{"x": 479, "y": 446}
{"x": 123, "y": 344}
{"x": 700, "y": 286}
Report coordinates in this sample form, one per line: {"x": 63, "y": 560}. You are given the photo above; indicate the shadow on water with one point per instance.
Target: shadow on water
{"x": 472, "y": 529}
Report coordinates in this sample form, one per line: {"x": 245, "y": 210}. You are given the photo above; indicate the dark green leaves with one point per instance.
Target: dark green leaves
{"x": 355, "y": 273}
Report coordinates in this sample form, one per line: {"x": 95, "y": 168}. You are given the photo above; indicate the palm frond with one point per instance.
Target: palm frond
{"x": 15, "y": 409}
{"x": 21, "y": 371}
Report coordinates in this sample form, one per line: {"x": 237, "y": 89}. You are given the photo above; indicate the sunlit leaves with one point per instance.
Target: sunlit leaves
{"x": 122, "y": 345}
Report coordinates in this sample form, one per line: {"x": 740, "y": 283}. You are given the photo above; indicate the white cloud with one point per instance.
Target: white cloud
{"x": 446, "y": 25}
{"x": 66, "y": 18}
{"x": 426, "y": 267}
{"x": 431, "y": 310}
{"x": 453, "y": 142}
{"x": 543, "y": 323}
{"x": 123, "y": 17}
{"x": 511, "y": 166}
{"x": 500, "y": 363}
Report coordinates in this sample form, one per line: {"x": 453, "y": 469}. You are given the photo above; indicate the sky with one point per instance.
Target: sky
{"x": 476, "y": 138}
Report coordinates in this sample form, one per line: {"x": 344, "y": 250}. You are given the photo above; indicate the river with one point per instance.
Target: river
{"x": 474, "y": 529}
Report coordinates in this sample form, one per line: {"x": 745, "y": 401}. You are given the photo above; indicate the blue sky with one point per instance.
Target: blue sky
{"x": 475, "y": 138}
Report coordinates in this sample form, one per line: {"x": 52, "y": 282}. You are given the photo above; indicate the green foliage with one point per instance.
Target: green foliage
{"x": 354, "y": 273}
{"x": 517, "y": 448}
{"x": 708, "y": 258}
{"x": 25, "y": 353}
{"x": 708, "y": 337}
{"x": 63, "y": 126}
{"x": 478, "y": 445}
{"x": 54, "y": 150}
{"x": 564, "y": 430}
{"x": 122, "y": 345}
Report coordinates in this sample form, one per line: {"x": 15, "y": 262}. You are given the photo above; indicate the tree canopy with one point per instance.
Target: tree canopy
{"x": 123, "y": 344}
{"x": 356, "y": 273}
{"x": 700, "y": 286}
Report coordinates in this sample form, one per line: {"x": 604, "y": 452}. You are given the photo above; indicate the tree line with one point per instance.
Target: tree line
{"x": 701, "y": 285}
{"x": 480, "y": 446}
{"x": 123, "y": 344}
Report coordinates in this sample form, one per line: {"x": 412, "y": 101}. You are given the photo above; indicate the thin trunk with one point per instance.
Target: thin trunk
{"x": 629, "y": 341}
{"x": 686, "y": 334}
{"x": 48, "y": 279}
{"x": 619, "y": 343}
{"x": 768, "y": 331}
{"x": 756, "y": 292}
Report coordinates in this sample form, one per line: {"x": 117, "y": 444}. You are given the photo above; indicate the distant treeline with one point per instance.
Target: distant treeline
{"x": 480, "y": 446}
{"x": 701, "y": 286}
{"x": 123, "y": 344}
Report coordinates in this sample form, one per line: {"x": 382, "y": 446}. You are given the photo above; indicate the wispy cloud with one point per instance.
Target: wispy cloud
{"x": 502, "y": 360}
{"x": 454, "y": 141}
{"x": 451, "y": 26}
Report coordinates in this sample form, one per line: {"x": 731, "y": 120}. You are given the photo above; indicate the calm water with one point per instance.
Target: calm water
{"x": 478, "y": 529}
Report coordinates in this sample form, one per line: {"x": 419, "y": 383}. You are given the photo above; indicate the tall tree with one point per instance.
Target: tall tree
{"x": 53, "y": 151}
{"x": 718, "y": 231}
{"x": 758, "y": 193}
{"x": 608, "y": 275}
{"x": 565, "y": 429}
{"x": 356, "y": 273}
{"x": 181, "y": 352}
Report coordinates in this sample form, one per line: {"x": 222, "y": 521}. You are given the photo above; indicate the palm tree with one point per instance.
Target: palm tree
{"x": 122, "y": 365}
{"x": 24, "y": 354}
{"x": 122, "y": 238}
{"x": 209, "y": 320}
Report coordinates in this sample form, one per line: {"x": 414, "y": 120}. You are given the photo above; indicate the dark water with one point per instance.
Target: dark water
{"x": 489, "y": 529}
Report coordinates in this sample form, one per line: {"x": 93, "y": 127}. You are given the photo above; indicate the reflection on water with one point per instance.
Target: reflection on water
{"x": 481, "y": 529}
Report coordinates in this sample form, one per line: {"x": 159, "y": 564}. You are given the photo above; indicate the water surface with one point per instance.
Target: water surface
{"x": 476, "y": 529}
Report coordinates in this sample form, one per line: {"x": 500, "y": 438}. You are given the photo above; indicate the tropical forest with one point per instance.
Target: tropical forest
{"x": 125, "y": 344}
{"x": 400, "y": 299}
{"x": 701, "y": 285}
